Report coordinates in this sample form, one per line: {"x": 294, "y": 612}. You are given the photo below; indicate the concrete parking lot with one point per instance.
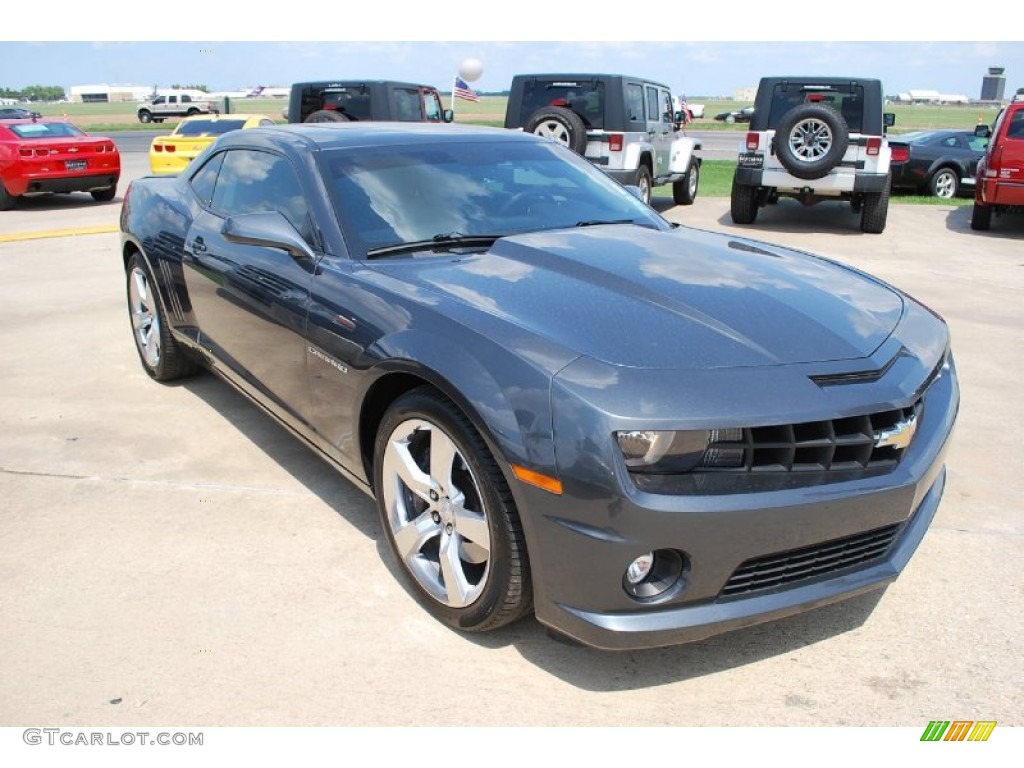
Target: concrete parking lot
{"x": 171, "y": 555}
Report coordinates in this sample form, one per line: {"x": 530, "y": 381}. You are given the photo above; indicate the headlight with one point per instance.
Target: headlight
{"x": 662, "y": 451}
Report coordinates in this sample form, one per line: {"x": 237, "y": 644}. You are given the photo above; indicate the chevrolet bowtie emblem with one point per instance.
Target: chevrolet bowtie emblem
{"x": 899, "y": 436}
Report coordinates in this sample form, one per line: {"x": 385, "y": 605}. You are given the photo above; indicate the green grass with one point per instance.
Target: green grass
{"x": 716, "y": 181}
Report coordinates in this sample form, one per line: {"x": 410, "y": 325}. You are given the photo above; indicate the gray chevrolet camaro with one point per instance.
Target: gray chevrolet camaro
{"x": 643, "y": 433}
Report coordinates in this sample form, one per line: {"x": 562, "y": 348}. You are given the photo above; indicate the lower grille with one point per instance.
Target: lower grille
{"x": 785, "y": 568}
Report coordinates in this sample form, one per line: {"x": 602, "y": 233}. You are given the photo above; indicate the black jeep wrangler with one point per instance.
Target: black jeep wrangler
{"x": 336, "y": 101}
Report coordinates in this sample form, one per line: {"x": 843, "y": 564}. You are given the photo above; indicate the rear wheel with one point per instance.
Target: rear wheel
{"x": 944, "y": 183}
{"x": 981, "y": 216}
{"x": 104, "y": 195}
{"x": 161, "y": 356}
{"x": 743, "y": 203}
{"x": 7, "y": 200}
{"x": 876, "y": 210}
{"x": 684, "y": 191}
{"x": 642, "y": 180}
{"x": 448, "y": 515}
{"x": 327, "y": 116}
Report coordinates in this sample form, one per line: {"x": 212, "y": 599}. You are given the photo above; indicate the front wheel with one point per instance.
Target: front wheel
{"x": 945, "y": 184}
{"x": 684, "y": 191}
{"x": 145, "y": 116}
{"x": 448, "y": 515}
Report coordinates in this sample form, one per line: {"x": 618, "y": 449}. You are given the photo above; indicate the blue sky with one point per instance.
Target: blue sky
{"x": 240, "y": 53}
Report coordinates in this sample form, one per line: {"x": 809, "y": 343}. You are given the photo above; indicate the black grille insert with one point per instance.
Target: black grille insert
{"x": 785, "y": 568}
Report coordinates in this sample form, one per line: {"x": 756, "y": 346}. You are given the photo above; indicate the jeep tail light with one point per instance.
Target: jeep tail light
{"x": 615, "y": 142}
{"x": 874, "y": 146}
{"x": 753, "y": 141}
{"x": 899, "y": 154}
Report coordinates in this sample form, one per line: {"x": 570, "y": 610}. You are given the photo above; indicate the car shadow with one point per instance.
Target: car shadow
{"x": 586, "y": 668}
{"x": 1006, "y": 226}
{"x": 791, "y": 216}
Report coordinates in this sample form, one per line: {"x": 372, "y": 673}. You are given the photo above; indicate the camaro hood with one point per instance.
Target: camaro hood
{"x": 633, "y": 296}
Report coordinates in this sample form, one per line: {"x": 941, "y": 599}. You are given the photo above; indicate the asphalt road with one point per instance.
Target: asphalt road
{"x": 171, "y": 555}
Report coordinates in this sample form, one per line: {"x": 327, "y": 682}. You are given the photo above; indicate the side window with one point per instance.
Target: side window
{"x": 172, "y": 99}
{"x": 635, "y": 102}
{"x": 158, "y": 100}
{"x": 666, "y": 107}
{"x": 952, "y": 142}
{"x": 1015, "y": 130}
{"x": 406, "y": 105}
{"x": 653, "y": 112}
{"x": 432, "y": 106}
{"x": 204, "y": 180}
{"x": 186, "y": 98}
{"x": 251, "y": 181}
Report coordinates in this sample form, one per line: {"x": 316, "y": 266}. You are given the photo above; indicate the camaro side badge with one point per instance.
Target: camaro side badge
{"x": 899, "y": 436}
{"x": 329, "y": 360}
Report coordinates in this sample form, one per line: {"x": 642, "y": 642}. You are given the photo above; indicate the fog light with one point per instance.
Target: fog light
{"x": 639, "y": 568}
{"x": 657, "y": 575}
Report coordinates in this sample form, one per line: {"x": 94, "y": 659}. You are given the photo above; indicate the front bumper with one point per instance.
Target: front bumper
{"x": 581, "y": 543}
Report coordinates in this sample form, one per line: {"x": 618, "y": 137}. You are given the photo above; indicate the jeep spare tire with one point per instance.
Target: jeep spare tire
{"x": 327, "y": 116}
{"x": 561, "y": 124}
{"x": 811, "y": 139}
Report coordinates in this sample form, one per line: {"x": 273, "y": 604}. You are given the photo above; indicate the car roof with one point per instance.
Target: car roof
{"x": 348, "y": 82}
{"x": 368, "y": 133}
{"x": 587, "y": 76}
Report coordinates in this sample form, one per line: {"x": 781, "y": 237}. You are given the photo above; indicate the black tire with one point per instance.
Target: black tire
{"x": 560, "y": 124}
{"x": 743, "y": 203}
{"x": 7, "y": 200}
{"x": 642, "y": 179}
{"x": 327, "y": 116}
{"x": 161, "y": 356}
{"x": 490, "y": 581}
{"x": 876, "y": 210}
{"x": 145, "y": 116}
{"x": 193, "y": 111}
{"x": 104, "y": 195}
{"x": 944, "y": 183}
{"x": 981, "y": 217}
{"x": 684, "y": 191}
{"x": 811, "y": 139}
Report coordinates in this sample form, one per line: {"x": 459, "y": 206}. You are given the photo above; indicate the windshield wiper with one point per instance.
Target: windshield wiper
{"x": 598, "y": 222}
{"x": 441, "y": 242}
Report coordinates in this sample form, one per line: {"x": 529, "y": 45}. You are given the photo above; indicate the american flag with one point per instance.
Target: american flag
{"x": 463, "y": 91}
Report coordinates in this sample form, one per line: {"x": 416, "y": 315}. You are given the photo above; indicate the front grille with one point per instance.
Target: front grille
{"x": 812, "y": 446}
{"x": 785, "y": 568}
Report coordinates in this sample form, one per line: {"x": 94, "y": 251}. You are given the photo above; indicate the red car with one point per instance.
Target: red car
{"x": 45, "y": 156}
{"x": 999, "y": 185}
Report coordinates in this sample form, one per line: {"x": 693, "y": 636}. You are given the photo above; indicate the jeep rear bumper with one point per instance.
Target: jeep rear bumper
{"x": 832, "y": 184}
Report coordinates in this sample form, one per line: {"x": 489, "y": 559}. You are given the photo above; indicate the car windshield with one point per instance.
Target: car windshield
{"x": 390, "y": 195}
{"x": 207, "y": 127}
{"x": 45, "y": 130}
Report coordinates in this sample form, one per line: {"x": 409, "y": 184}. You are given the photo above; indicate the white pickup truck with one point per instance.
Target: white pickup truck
{"x": 174, "y": 104}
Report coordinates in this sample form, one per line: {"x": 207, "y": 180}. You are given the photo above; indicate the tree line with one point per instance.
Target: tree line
{"x": 34, "y": 93}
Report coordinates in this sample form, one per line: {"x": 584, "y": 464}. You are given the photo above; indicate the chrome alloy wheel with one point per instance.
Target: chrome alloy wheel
{"x": 945, "y": 184}
{"x": 145, "y": 320}
{"x": 554, "y": 129}
{"x": 810, "y": 140}
{"x": 435, "y": 510}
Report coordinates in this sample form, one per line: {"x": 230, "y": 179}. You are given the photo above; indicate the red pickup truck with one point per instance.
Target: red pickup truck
{"x": 999, "y": 185}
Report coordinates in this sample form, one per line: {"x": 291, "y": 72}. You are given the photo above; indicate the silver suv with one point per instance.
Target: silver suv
{"x": 816, "y": 139}
{"x": 624, "y": 125}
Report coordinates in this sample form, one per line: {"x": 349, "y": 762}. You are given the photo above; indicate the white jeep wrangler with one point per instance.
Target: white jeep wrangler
{"x": 816, "y": 139}
{"x": 624, "y": 125}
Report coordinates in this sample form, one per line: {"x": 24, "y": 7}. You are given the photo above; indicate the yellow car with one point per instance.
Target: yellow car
{"x": 171, "y": 154}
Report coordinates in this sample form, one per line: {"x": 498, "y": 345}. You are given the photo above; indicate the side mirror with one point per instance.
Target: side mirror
{"x": 982, "y": 131}
{"x": 889, "y": 119}
{"x": 269, "y": 229}
{"x": 448, "y": 115}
